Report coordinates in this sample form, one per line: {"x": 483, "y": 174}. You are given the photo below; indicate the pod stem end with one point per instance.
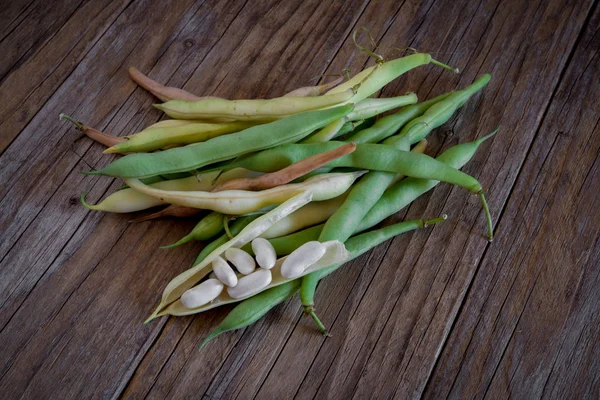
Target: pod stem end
{"x": 445, "y": 66}
{"x": 434, "y": 221}
{"x": 310, "y": 311}
{"x": 77, "y": 124}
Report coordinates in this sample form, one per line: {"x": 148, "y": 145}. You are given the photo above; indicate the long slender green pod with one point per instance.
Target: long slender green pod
{"x": 367, "y": 156}
{"x": 223, "y": 148}
{"x": 438, "y": 113}
{"x": 376, "y": 77}
{"x": 389, "y": 124}
{"x": 405, "y": 192}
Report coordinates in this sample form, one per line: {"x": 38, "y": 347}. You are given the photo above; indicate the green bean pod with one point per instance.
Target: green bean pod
{"x": 206, "y": 228}
{"x": 390, "y": 124}
{"x": 374, "y": 78}
{"x": 223, "y": 148}
{"x": 438, "y": 114}
{"x": 367, "y": 156}
{"x": 251, "y": 310}
{"x": 405, "y": 192}
{"x": 251, "y": 110}
{"x": 371, "y": 107}
{"x": 185, "y": 132}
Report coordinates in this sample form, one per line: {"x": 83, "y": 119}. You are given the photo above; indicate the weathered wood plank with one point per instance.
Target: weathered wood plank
{"x": 514, "y": 319}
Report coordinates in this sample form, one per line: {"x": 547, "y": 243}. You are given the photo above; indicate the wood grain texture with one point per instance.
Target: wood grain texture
{"x": 436, "y": 313}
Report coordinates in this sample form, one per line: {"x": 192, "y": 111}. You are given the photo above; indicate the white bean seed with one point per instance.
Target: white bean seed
{"x": 264, "y": 253}
{"x": 241, "y": 260}
{"x": 303, "y": 257}
{"x": 224, "y": 272}
{"x": 251, "y": 284}
{"x": 204, "y": 293}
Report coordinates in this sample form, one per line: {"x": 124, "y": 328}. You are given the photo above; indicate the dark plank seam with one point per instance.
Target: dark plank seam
{"x": 537, "y": 272}
{"x": 213, "y": 46}
{"x": 560, "y": 347}
{"x": 472, "y": 279}
{"x": 566, "y": 320}
{"x": 49, "y": 198}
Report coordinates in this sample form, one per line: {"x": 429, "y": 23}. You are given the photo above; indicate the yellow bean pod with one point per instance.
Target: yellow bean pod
{"x": 250, "y": 110}
{"x": 175, "y": 132}
{"x": 130, "y": 200}
{"x": 238, "y": 202}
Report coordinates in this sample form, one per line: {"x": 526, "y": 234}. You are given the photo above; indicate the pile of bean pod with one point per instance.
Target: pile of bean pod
{"x": 293, "y": 184}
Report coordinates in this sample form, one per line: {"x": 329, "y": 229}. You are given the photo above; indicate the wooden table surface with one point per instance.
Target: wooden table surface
{"x": 437, "y": 313}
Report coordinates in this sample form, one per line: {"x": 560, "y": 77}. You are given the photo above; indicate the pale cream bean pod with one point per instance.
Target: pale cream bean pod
{"x": 335, "y": 253}
{"x": 250, "y": 110}
{"x": 309, "y": 215}
{"x": 130, "y": 200}
{"x": 238, "y": 202}
{"x": 170, "y": 302}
